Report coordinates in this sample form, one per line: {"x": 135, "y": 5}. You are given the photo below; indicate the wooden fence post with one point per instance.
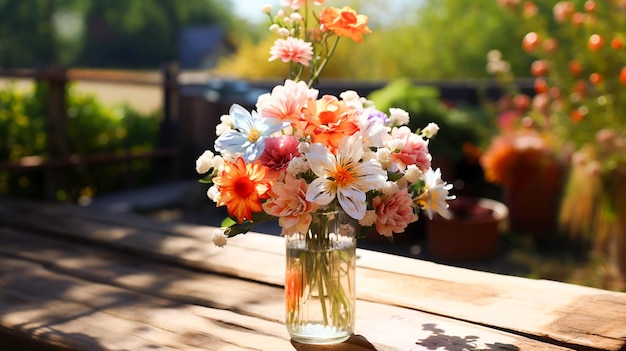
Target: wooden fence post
{"x": 170, "y": 125}
{"x": 54, "y": 81}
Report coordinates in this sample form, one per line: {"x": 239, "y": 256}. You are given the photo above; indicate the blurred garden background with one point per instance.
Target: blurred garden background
{"x": 102, "y": 98}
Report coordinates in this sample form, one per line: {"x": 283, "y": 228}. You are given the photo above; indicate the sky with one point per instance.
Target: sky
{"x": 251, "y": 9}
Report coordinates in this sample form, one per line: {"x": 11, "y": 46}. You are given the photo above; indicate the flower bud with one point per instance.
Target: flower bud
{"x": 267, "y": 8}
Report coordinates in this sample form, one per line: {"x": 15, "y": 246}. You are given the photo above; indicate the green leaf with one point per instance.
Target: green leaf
{"x": 228, "y": 222}
{"x": 235, "y": 228}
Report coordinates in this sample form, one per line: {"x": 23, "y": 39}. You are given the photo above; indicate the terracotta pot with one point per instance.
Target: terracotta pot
{"x": 472, "y": 236}
{"x": 534, "y": 199}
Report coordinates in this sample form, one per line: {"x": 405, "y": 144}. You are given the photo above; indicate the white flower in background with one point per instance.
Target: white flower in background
{"x": 398, "y": 116}
{"x": 219, "y": 237}
{"x": 412, "y": 173}
{"x": 213, "y": 193}
{"x": 390, "y": 188}
{"x": 298, "y": 165}
{"x": 204, "y": 163}
{"x": 369, "y": 219}
{"x": 430, "y": 130}
{"x": 436, "y": 194}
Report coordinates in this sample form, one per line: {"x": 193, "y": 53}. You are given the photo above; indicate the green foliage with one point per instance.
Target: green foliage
{"x": 91, "y": 128}
{"x": 424, "y": 106}
{"x": 22, "y": 123}
{"x": 102, "y": 33}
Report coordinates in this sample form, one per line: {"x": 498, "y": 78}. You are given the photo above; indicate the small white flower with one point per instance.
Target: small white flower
{"x": 430, "y": 130}
{"x": 274, "y": 28}
{"x": 395, "y": 144}
{"x": 230, "y": 156}
{"x": 280, "y": 13}
{"x": 287, "y": 21}
{"x": 226, "y": 119}
{"x": 349, "y": 95}
{"x": 218, "y": 162}
{"x": 221, "y": 129}
{"x": 296, "y": 16}
{"x": 297, "y": 165}
{"x": 390, "y": 188}
{"x": 346, "y": 230}
{"x": 437, "y": 194}
{"x": 383, "y": 156}
{"x": 213, "y": 193}
{"x": 219, "y": 238}
{"x": 412, "y": 173}
{"x": 398, "y": 116}
{"x": 369, "y": 155}
{"x": 369, "y": 218}
{"x": 494, "y": 55}
{"x": 304, "y": 147}
{"x": 267, "y": 8}
{"x": 283, "y": 32}
{"x": 204, "y": 163}
{"x": 226, "y": 124}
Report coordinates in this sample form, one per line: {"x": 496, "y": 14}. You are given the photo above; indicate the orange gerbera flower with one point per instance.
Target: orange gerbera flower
{"x": 293, "y": 288}
{"x": 344, "y": 22}
{"x": 328, "y": 121}
{"x": 242, "y": 186}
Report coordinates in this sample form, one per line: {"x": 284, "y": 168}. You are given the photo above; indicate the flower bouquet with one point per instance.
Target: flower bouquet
{"x": 329, "y": 169}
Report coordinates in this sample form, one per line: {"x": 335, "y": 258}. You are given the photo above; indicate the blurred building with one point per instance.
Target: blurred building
{"x": 200, "y": 47}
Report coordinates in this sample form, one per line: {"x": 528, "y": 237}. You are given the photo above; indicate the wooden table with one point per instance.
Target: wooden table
{"x": 75, "y": 279}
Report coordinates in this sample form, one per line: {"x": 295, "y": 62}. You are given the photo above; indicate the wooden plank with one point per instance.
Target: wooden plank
{"x": 36, "y": 162}
{"x": 184, "y": 299}
{"x": 78, "y": 315}
{"x": 555, "y": 312}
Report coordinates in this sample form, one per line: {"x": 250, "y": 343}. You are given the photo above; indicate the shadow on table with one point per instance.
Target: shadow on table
{"x": 438, "y": 340}
{"x": 351, "y": 344}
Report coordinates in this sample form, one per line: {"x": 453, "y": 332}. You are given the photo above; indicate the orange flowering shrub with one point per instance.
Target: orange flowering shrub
{"x": 580, "y": 99}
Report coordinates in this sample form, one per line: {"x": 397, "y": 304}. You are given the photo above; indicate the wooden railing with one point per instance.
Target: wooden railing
{"x": 59, "y": 157}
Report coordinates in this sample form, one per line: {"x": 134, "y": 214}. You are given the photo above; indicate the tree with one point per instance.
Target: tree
{"x": 143, "y": 33}
{"x": 102, "y": 33}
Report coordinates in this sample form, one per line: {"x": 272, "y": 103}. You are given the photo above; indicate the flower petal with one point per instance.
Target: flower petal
{"x": 321, "y": 160}
{"x": 242, "y": 119}
{"x": 321, "y": 191}
{"x": 231, "y": 141}
{"x": 370, "y": 176}
{"x": 352, "y": 201}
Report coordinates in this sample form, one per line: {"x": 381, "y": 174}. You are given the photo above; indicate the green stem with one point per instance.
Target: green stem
{"x": 321, "y": 295}
{"x": 319, "y": 70}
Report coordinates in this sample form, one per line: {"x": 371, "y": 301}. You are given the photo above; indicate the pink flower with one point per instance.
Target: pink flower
{"x": 292, "y": 49}
{"x": 288, "y": 203}
{"x": 508, "y": 120}
{"x": 286, "y": 102}
{"x": 279, "y": 151}
{"x": 413, "y": 150}
{"x": 394, "y": 212}
{"x": 563, "y": 10}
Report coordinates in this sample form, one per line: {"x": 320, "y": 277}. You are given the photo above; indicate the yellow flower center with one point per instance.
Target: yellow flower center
{"x": 343, "y": 177}
{"x": 254, "y": 135}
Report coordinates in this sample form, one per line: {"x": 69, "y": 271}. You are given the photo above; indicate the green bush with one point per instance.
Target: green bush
{"x": 91, "y": 128}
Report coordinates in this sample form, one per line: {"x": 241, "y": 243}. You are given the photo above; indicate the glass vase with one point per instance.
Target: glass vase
{"x": 319, "y": 280}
